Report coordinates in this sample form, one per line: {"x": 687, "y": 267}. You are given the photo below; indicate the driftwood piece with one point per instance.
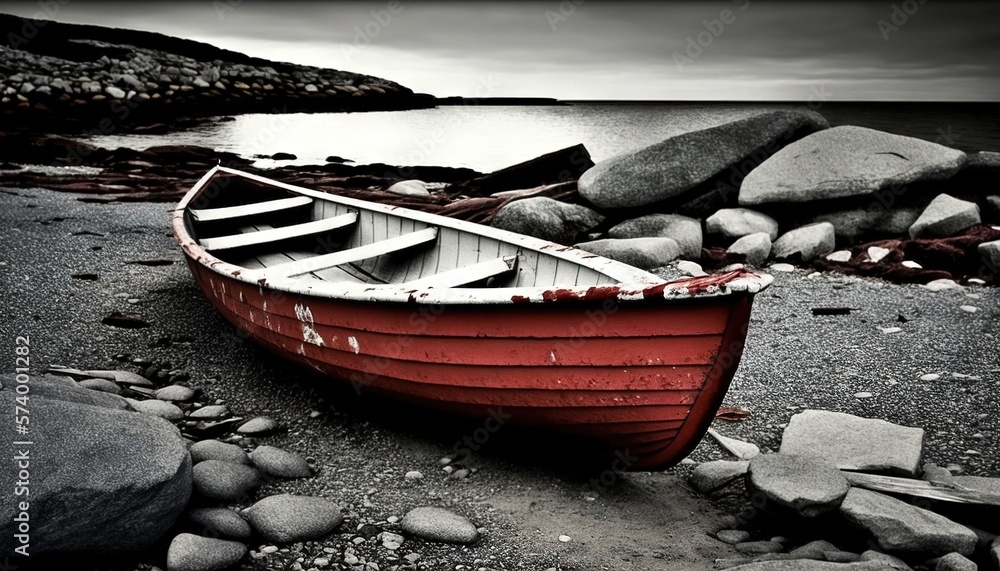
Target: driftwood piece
{"x": 946, "y": 492}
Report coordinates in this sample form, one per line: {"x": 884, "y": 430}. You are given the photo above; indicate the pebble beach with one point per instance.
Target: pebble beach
{"x": 939, "y": 372}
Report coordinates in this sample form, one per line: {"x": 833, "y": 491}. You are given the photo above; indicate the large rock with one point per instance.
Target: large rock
{"x": 710, "y": 476}
{"x": 755, "y": 248}
{"x": 684, "y": 230}
{"x": 954, "y": 562}
{"x": 557, "y": 166}
{"x": 945, "y": 216}
{"x": 100, "y": 479}
{"x": 807, "y": 242}
{"x": 854, "y": 224}
{"x": 847, "y": 161}
{"x": 674, "y": 167}
{"x": 439, "y": 524}
{"x": 739, "y": 222}
{"x": 546, "y": 218}
{"x": 643, "y": 253}
{"x": 409, "y": 188}
{"x": 804, "y": 484}
{"x": 990, "y": 252}
{"x": 286, "y": 518}
{"x": 853, "y": 443}
{"x": 898, "y": 526}
{"x": 189, "y": 552}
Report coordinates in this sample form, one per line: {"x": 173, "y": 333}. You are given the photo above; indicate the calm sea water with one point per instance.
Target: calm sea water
{"x": 487, "y": 138}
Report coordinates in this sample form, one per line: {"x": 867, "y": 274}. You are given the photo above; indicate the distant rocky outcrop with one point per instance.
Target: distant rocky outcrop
{"x": 53, "y": 72}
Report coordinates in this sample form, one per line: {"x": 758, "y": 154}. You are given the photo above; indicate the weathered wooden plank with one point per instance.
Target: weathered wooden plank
{"x": 942, "y": 491}
{"x": 467, "y": 274}
{"x": 282, "y": 233}
{"x": 317, "y": 263}
{"x": 230, "y": 212}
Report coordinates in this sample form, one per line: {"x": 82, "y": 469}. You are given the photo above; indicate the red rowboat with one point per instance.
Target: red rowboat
{"x": 467, "y": 318}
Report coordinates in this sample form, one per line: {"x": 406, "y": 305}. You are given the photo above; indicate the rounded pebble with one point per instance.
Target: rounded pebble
{"x": 259, "y": 425}
{"x": 189, "y": 552}
{"x": 286, "y": 518}
{"x": 224, "y": 480}
{"x": 102, "y": 385}
{"x": 281, "y": 463}
{"x": 210, "y": 412}
{"x": 159, "y": 408}
{"x": 439, "y": 524}
{"x": 216, "y": 450}
{"x": 221, "y": 522}
{"x": 176, "y": 393}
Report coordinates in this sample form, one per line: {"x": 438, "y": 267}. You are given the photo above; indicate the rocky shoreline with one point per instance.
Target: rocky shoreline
{"x": 59, "y": 77}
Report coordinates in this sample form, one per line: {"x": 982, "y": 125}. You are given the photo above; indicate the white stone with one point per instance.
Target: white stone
{"x": 876, "y": 253}
{"x": 839, "y": 256}
{"x": 912, "y": 265}
{"x": 968, "y": 308}
{"x": 782, "y": 267}
{"x": 941, "y": 284}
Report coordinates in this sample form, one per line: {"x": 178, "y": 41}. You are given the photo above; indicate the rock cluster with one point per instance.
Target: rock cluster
{"x": 819, "y": 482}
{"x": 783, "y": 186}
{"x": 126, "y": 493}
{"x": 53, "y": 71}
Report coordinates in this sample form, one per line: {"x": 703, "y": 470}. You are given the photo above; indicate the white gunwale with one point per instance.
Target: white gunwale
{"x": 634, "y": 284}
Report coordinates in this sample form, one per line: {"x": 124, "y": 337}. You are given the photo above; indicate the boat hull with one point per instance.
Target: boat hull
{"x": 642, "y": 379}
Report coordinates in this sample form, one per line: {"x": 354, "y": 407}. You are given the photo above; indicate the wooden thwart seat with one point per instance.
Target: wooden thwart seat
{"x": 230, "y": 212}
{"x": 282, "y": 233}
{"x": 466, "y": 275}
{"x": 318, "y": 263}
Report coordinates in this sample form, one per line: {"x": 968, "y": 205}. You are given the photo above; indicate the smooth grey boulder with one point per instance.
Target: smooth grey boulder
{"x": 101, "y": 479}
{"x": 856, "y": 223}
{"x": 643, "y": 253}
{"x": 710, "y": 476}
{"x": 684, "y": 230}
{"x": 945, "y": 216}
{"x": 281, "y": 463}
{"x": 217, "y": 450}
{"x": 220, "y": 522}
{"x": 847, "y": 161}
{"x": 755, "y": 248}
{"x": 287, "y": 518}
{"x": 673, "y": 167}
{"x": 954, "y": 562}
{"x": 808, "y": 242}
{"x": 851, "y": 442}
{"x": 439, "y": 524}
{"x": 189, "y": 552}
{"x": 547, "y": 218}
{"x": 224, "y": 481}
{"x": 258, "y": 426}
{"x": 813, "y": 549}
{"x": 739, "y": 222}
{"x": 901, "y": 527}
{"x": 804, "y": 484}
{"x": 409, "y": 188}
{"x": 990, "y": 251}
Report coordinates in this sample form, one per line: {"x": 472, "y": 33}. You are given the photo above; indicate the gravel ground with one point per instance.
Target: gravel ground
{"x": 522, "y": 494}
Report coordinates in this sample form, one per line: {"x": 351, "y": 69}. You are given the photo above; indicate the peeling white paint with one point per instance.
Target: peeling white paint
{"x": 309, "y": 334}
{"x": 552, "y": 355}
{"x": 243, "y": 299}
{"x": 354, "y": 344}
{"x": 302, "y": 349}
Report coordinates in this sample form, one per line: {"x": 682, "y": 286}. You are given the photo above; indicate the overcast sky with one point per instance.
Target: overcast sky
{"x": 573, "y": 49}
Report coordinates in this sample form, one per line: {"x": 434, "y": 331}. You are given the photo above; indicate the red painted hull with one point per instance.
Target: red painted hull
{"x": 644, "y": 378}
